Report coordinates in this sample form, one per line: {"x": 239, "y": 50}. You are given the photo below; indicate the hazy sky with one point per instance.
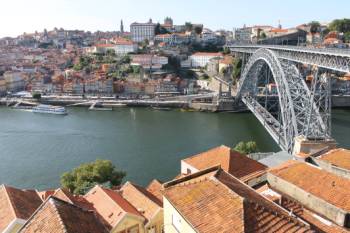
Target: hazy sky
{"x": 18, "y": 16}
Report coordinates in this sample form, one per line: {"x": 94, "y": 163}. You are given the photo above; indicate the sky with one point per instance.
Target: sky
{"x": 18, "y": 16}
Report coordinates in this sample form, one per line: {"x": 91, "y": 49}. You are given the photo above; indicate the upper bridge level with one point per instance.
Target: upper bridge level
{"x": 332, "y": 59}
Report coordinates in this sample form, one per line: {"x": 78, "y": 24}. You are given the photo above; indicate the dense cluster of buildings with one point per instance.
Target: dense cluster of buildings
{"x": 49, "y": 61}
{"x": 219, "y": 190}
{"x": 300, "y": 35}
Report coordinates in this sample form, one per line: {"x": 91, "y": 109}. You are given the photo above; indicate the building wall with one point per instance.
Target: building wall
{"x": 169, "y": 212}
{"x": 128, "y": 222}
{"x": 333, "y": 169}
{"x": 156, "y": 223}
{"x": 200, "y": 61}
{"x": 308, "y": 200}
{"x": 125, "y": 49}
{"x": 185, "y": 167}
{"x": 141, "y": 32}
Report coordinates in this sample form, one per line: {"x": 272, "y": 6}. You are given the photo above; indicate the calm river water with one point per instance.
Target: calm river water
{"x": 35, "y": 149}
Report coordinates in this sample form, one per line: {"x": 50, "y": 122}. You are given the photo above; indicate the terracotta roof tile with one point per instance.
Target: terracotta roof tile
{"x": 77, "y": 200}
{"x": 141, "y": 199}
{"x": 230, "y": 161}
{"x": 16, "y": 203}
{"x": 155, "y": 188}
{"x": 110, "y": 205}
{"x": 56, "y": 216}
{"x": 337, "y": 157}
{"x": 313, "y": 219}
{"x": 215, "y": 201}
{"x": 320, "y": 183}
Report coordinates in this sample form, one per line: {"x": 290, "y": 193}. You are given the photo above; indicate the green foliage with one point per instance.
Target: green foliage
{"x": 340, "y": 25}
{"x": 36, "y": 96}
{"x": 84, "y": 61}
{"x": 197, "y": 47}
{"x": 226, "y": 50}
{"x": 84, "y": 177}
{"x": 246, "y": 147}
{"x": 125, "y": 60}
{"x": 263, "y": 35}
{"x": 136, "y": 69}
{"x": 188, "y": 26}
{"x": 347, "y": 37}
{"x": 315, "y": 27}
{"x": 237, "y": 66}
{"x": 110, "y": 52}
{"x": 160, "y": 30}
{"x": 198, "y": 30}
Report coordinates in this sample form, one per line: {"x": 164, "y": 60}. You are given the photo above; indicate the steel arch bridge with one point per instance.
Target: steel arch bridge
{"x": 296, "y": 109}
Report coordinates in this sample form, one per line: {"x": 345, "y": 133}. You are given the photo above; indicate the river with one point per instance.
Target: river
{"x": 35, "y": 149}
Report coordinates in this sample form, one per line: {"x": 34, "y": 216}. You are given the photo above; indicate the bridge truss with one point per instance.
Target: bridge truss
{"x": 295, "y": 109}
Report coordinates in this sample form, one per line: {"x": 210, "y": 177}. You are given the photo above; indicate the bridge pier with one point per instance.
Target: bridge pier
{"x": 303, "y": 146}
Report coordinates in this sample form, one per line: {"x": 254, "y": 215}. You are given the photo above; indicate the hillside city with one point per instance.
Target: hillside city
{"x": 222, "y": 189}
{"x": 152, "y": 60}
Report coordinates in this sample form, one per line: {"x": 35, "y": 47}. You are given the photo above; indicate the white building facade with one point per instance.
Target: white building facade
{"x": 142, "y": 31}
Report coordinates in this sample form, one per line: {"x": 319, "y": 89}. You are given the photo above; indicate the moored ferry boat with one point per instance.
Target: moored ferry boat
{"x": 43, "y": 108}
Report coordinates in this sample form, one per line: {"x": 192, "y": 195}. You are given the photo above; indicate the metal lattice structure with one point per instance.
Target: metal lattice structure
{"x": 299, "y": 110}
{"x": 332, "y": 59}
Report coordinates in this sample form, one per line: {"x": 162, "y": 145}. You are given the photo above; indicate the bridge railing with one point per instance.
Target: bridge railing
{"x": 330, "y": 51}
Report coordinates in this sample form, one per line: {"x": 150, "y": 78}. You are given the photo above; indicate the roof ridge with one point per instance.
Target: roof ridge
{"x": 10, "y": 200}
{"x": 292, "y": 219}
{"x": 193, "y": 175}
{"x": 136, "y": 186}
{"x": 125, "y": 211}
{"x": 201, "y": 153}
{"x": 58, "y": 213}
{"x": 263, "y": 197}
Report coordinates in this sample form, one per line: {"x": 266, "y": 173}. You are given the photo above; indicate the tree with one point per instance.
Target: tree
{"x": 110, "y": 52}
{"x": 36, "y": 96}
{"x": 237, "y": 66}
{"x": 226, "y": 50}
{"x": 315, "y": 27}
{"x": 157, "y": 29}
{"x": 198, "y": 30}
{"x": 347, "y": 37}
{"x": 340, "y": 25}
{"x": 246, "y": 147}
{"x": 188, "y": 26}
{"x": 84, "y": 177}
{"x": 160, "y": 30}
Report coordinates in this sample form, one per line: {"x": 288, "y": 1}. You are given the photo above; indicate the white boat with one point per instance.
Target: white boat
{"x": 43, "y": 108}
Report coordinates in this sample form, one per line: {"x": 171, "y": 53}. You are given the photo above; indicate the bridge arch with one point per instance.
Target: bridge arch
{"x": 297, "y": 112}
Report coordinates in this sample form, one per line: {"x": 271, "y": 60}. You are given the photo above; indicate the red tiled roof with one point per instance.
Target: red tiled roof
{"x": 56, "y": 216}
{"x": 110, "y": 205}
{"x": 105, "y": 45}
{"x": 316, "y": 221}
{"x": 141, "y": 199}
{"x": 337, "y": 157}
{"x": 122, "y": 41}
{"x": 231, "y": 161}
{"x": 77, "y": 200}
{"x": 215, "y": 201}
{"x": 16, "y": 203}
{"x": 155, "y": 188}
{"x": 320, "y": 183}
{"x": 207, "y": 54}
{"x": 278, "y": 30}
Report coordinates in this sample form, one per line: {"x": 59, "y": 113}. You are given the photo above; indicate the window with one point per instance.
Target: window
{"x": 152, "y": 229}
{"x": 134, "y": 229}
{"x": 176, "y": 221}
